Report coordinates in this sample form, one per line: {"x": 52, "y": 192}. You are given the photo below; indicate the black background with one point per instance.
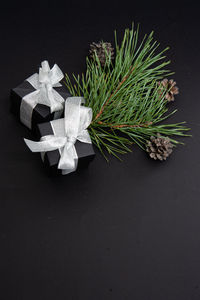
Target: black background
{"x": 127, "y": 230}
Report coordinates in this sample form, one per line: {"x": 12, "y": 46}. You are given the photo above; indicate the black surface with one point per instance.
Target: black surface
{"x": 116, "y": 231}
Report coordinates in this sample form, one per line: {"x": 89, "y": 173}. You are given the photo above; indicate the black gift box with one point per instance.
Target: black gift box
{"x": 41, "y": 113}
{"x": 51, "y": 159}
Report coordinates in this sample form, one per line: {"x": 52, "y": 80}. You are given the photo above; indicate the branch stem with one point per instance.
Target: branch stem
{"x": 125, "y": 125}
{"x": 117, "y": 89}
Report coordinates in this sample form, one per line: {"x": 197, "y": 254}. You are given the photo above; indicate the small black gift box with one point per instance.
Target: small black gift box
{"x": 40, "y": 112}
{"x": 85, "y": 151}
{"x": 65, "y": 144}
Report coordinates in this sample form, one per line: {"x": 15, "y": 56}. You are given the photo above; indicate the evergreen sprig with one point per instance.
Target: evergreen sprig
{"x": 125, "y": 97}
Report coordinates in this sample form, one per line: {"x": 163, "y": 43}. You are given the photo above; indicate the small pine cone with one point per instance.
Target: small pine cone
{"x": 170, "y": 86}
{"x": 159, "y": 147}
{"x": 101, "y": 48}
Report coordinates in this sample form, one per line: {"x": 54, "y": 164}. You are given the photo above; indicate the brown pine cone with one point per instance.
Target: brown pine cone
{"x": 159, "y": 147}
{"x": 100, "y": 49}
{"x": 170, "y": 86}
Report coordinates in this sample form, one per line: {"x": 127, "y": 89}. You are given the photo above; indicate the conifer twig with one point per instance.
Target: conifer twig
{"x": 137, "y": 109}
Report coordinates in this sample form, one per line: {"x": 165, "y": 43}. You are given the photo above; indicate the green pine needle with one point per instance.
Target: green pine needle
{"x": 125, "y": 97}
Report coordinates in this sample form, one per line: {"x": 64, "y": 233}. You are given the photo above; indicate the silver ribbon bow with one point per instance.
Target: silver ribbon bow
{"x": 44, "y": 93}
{"x": 77, "y": 119}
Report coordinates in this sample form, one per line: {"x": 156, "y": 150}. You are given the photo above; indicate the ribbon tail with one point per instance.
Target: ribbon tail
{"x": 68, "y": 159}
{"x": 47, "y": 143}
{"x": 65, "y": 172}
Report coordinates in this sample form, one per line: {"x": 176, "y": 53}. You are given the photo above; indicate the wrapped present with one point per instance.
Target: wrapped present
{"x": 40, "y": 98}
{"x": 65, "y": 144}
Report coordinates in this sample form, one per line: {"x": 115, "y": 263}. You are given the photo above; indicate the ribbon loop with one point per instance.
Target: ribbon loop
{"x": 44, "y": 83}
{"x": 77, "y": 119}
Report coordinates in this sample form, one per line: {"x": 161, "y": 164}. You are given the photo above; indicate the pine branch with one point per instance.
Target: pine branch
{"x": 125, "y": 97}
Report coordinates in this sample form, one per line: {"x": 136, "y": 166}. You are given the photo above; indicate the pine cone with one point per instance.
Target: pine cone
{"x": 159, "y": 147}
{"x": 170, "y": 86}
{"x": 100, "y": 48}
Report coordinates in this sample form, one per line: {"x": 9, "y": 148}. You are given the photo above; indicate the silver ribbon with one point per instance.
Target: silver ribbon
{"x": 44, "y": 93}
{"x": 76, "y": 121}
